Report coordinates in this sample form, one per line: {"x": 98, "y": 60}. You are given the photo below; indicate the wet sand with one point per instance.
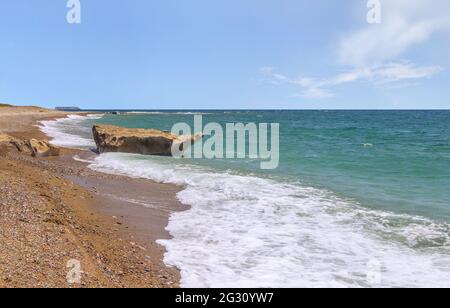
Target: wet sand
{"x": 55, "y": 209}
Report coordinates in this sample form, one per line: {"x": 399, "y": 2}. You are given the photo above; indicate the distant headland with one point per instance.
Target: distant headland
{"x": 68, "y": 108}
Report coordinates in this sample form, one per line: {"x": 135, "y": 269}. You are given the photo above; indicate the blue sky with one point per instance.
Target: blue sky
{"x": 203, "y": 54}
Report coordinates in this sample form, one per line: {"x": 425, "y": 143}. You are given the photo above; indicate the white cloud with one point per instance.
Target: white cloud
{"x": 372, "y": 52}
{"x": 395, "y": 72}
{"x": 405, "y": 23}
{"x": 394, "y": 75}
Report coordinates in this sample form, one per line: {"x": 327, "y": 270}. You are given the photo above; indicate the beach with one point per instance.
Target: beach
{"x": 360, "y": 199}
{"x": 55, "y": 210}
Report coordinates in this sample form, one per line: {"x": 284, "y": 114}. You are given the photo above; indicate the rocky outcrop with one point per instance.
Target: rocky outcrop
{"x": 32, "y": 147}
{"x": 22, "y": 146}
{"x": 138, "y": 141}
{"x": 42, "y": 148}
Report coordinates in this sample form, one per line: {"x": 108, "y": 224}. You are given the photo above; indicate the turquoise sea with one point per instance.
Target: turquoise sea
{"x": 360, "y": 198}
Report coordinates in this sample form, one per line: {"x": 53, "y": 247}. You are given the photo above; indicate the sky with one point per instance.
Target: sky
{"x": 226, "y": 54}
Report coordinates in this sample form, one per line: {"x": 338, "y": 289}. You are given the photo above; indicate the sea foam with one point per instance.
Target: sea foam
{"x": 245, "y": 231}
{"x": 67, "y": 132}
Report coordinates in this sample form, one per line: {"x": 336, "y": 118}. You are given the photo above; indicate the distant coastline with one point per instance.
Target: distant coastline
{"x": 69, "y": 109}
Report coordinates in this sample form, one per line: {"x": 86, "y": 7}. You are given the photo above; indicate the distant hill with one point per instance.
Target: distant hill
{"x": 5, "y": 105}
{"x": 68, "y": 108}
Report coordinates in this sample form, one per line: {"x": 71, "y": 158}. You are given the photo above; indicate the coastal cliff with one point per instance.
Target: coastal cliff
{"x": 110, "y": 138}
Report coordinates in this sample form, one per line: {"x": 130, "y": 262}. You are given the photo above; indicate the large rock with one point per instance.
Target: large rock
{"x": 42, "y": 148}
{"x": 23, "y": 146}
{"x": 32, "y": 147}
{"x": 138, "y": 141}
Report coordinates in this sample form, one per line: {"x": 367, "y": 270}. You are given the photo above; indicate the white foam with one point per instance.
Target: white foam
{"x": 245, "y": 231}
{"x": 67, "y": 132}
{"x": 77, "y": 158}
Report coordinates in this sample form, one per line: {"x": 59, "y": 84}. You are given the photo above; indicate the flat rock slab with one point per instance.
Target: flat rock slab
{"x": 109, "y": 138}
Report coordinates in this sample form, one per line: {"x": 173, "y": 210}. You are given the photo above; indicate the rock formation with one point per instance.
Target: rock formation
{"x": 32, "y": 147}
{"x": 42, "y": 148}
{"x": 139, "y": 141}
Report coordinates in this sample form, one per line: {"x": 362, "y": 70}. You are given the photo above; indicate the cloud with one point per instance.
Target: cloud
{"x": 393, "y": 75}
{"x": 396, "y": 72}
{"x": 405, "y": 23}
{"x": 372, "y": 52}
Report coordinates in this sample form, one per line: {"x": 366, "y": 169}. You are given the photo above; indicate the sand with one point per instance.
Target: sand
{"x": 56, "y": 210}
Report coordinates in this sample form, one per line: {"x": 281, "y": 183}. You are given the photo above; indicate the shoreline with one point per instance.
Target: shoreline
{"x": 104, "y": 217}
{"x": 242, "y": 229}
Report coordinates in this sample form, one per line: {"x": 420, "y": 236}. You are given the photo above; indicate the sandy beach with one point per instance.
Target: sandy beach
{"x": 55, "y": 209}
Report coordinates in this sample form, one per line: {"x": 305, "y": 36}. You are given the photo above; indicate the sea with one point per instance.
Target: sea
{"x": 359, "y": 199}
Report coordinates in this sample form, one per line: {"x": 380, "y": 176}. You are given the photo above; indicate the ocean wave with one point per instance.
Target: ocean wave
{"x": 246, "y": 231}
{"x": 67, "y": 132}
{"x": 78, "y": 158}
